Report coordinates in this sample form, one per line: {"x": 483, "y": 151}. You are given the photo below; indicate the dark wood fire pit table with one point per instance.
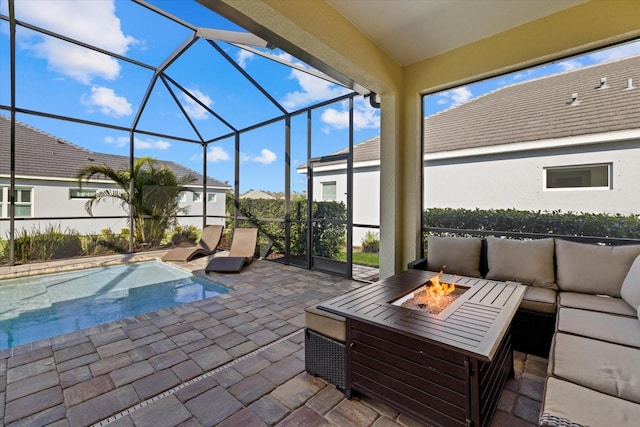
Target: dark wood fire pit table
{"x": 442, "y": 369}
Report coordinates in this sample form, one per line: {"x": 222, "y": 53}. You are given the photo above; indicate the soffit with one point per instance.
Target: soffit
{"x": 412, "y": 30}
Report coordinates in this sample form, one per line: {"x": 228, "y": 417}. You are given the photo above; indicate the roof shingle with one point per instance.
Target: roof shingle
{"x": 40, "y": 154}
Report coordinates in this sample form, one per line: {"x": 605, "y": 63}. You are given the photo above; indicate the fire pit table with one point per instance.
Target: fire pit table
{"x": 442, "y": 369}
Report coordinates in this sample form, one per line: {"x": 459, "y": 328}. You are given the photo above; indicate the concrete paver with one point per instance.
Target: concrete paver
{"x": 235, "y": 359}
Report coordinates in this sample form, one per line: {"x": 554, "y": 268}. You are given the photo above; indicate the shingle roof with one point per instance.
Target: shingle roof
{"x": 541, "y": 109}
{"x": 534, "y": 110}
{"x": 257, "y": 194}
{"x": 43, "y": 155}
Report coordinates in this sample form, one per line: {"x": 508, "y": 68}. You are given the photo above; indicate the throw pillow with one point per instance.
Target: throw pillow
{"x": 630, "y": 291}
{"x": 454, "y": 255}
{"x": 593, "y": 269}
{"x": 525, "y": 261}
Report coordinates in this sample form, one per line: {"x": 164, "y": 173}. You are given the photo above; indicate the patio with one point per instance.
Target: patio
{"x": 235, "y": 359}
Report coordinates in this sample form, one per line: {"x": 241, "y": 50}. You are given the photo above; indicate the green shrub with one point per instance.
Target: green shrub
{"x": 371, "y": 243}
{"x": 329, "y": 238}
{"x": 108, "y": 242}
{"x": 536, "y": 222}
{"x": 188, "y": 235}
{"x": 50, "y": 243}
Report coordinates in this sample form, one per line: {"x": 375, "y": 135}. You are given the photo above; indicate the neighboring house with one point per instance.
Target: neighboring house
{"x": 47, "y": 188}
{"x": 257, "y": 194}
{"x": 568, "y": 142}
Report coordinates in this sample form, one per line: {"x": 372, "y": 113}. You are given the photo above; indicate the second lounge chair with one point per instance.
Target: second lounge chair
{"x": 207, "y": 245}
{"x": 241, "y": 253}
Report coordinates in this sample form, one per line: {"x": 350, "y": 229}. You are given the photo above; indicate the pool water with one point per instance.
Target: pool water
{"x": 37, "y": 307}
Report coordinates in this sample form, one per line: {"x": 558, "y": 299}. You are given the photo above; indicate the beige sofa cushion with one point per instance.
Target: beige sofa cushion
{"x": 593, "y": 269}
{"x": 580, "y": 405}
{"x": 601, "y": 326}
{"x": 328, "y": 324}
{"x": 630, "y": 291}
{"x": 454, "y": 255}
{"x": 540, "y": 300}
{"x": 601, "y": 303}
{"x": 526, "y": 261}
{"x": 598, "y": 365}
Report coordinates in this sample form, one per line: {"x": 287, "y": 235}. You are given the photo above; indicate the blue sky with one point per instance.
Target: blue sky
{"x": 446, "y": 99}
{"x": 57, "y": 77}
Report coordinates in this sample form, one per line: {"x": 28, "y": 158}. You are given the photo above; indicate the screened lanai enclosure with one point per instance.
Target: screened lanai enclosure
{"x": 131, "y": 125}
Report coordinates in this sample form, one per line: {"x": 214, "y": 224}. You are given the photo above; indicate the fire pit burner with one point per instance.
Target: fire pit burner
{"x": 432, "y": 298}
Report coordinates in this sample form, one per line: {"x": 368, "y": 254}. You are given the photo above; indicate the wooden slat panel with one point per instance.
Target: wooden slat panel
{"x": 441, "y": 359}
{"x": 413, "y": 375}
{"x": 365, "y": 379}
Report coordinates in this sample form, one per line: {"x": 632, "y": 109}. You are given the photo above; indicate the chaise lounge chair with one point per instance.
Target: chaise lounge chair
{"x": 207, "y": 245}
{"x": 241, "y": 253}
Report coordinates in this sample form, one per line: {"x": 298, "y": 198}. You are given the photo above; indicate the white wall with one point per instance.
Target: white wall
{"x": 366, "y": 195}
{"x": 50, "y": 199}
{"x": 517, "y": 181}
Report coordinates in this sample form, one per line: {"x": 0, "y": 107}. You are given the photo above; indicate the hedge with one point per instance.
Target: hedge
{"x": 537, "y": 222}
{"x": 329, "y": 238}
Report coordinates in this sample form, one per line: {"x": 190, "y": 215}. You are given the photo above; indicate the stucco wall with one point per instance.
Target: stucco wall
{"x": 50, "y": 199}
{"x": 516, "y": 181}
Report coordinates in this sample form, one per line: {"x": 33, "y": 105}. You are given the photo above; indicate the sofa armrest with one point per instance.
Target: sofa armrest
{"x": 419, "y": 264}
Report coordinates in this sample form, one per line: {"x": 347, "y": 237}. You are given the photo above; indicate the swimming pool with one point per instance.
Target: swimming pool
{"x": 37, "y": 307}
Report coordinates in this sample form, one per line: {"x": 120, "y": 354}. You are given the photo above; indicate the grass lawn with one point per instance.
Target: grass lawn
{"x": 362, "y": 258}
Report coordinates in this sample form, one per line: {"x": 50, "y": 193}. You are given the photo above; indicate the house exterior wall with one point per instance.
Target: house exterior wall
{"x": 51, "y": 199}
{"x": 506, "y": 181}
{"x": 517, "y": 181}
{"x": 366, "y": 195}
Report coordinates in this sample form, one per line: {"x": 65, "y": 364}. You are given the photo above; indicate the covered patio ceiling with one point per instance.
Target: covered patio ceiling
{"x": 413, "y": 30}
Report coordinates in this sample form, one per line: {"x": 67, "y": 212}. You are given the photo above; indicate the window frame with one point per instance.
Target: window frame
{"x": 74, "y": 197}
{"x": 212, "y": 197}
{"x": 323, "y": 193}
{"x": 568, "y": 168}
{"x": 197, "y": 196}
{"x": 18, "y": 201}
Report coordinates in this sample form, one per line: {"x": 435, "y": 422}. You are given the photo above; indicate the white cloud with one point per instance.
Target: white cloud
{"x": 107, "y": 102}
{"x": 244, "y": 56}
{"x": 312, "y": 88}
{"x": 364, "y": 116}
{"x": 120, "y": 141}
{"x": 157, "y": 144}
{"x": 193, "y": 109}
{"x": 93, "y": 22}
{"x": 570, "y": 65}
{"x": 455, "y": 96}
{"x": 622, "y": 51}
{"x": 217, "y": 154}
{"x": 266, "y": 157}
{"x": 522, "y": 75}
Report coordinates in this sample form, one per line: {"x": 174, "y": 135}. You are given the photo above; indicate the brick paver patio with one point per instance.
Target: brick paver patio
{"x": 233, "y": 360}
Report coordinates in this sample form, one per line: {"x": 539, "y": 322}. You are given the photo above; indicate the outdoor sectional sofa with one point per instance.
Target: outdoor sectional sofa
{"x": 581, "y": 310}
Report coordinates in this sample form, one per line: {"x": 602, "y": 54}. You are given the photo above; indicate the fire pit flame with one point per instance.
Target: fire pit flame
{"x": 434, "y": 294}
{"x": 434, "y": 297}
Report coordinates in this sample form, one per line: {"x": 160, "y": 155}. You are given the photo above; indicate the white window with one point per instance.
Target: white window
{"x": 197, "y": 197}
{"x": 2, "y": 213}
{"x": 580, "y": 176}
{"x": 76, "y": 193}
{"x": 328, "y": 191}
{"x": 211, "y": 197}
{"x": 23, "y": 202}
{"x": 182, "y": 197}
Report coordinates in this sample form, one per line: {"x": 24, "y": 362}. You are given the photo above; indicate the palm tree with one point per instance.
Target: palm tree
{"x": 155, "y": 195}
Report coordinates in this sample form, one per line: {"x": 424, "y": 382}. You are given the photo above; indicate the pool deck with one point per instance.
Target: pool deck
{"x": 236, "y": 359}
